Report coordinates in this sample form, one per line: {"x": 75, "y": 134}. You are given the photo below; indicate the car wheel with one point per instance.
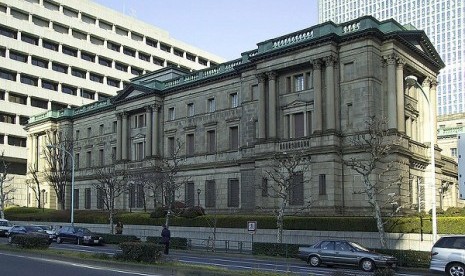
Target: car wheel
{"x": 314, "y": 261}
{"x": 367, "y": 265}
{"x": 59, "y": 240}
{"x": 455, "y": 269}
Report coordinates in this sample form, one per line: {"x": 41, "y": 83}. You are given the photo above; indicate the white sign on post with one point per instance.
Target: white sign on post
{"x": 251, "y": 227}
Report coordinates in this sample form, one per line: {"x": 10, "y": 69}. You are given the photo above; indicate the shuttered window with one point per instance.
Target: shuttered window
{"x": 210, "y": 193}
{"x": 190, "y": 144}
{"x": 211, "y": 141}
{"x": 87, "y": 198}
{"x": 299, "y": 125}
{"x": 233, "y": 193}
{"x": 296, "y": 191}
{"x": 322, "y": 184}
{"x": 100, "y": 200}
{"x": 234, "y": 138}
{"x": 76, "y": 198}
{"x": 189, "y": 194}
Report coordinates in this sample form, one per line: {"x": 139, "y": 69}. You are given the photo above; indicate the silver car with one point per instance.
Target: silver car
{"x": 342, "y": 252}
{"x": 448, "y": 255}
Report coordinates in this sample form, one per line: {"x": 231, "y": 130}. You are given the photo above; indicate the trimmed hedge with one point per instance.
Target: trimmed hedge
{"x": 118, "y": 239}
{"x": 139, "y": 252}
{"x": 407, "y": 224}
{"x": 31, "y": 242}
{"x": 275, "y": 249}
{"x": 175, "y": 242}
{"x": 409, "y": 258}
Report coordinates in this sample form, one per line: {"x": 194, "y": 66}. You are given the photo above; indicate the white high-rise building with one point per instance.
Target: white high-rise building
{"x": 442, "y": 20}
{"x": 60, "y": 53}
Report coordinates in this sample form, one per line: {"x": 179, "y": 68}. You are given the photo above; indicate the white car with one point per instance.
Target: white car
{"x": 5, "y": 226}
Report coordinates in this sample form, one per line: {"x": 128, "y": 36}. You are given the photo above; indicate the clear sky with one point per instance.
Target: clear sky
{"x": 222, "y": 27}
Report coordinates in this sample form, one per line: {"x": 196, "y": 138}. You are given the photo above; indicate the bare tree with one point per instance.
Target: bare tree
{"x": 111, "y": 183}
{"x": 58, "y": 172}
{"x": 287, "y": 173}
{"x": 142, "y": 182}
{"x": 380, "y": 174}
{"x": 34, "y": 184}
{"x": 6, "y": 184}
{"x": 167, "y": 170}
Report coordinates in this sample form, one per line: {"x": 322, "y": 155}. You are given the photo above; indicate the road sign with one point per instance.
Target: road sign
{"x": 251, "y": 227}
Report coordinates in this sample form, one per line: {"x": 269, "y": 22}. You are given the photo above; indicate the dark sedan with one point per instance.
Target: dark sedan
{"x": 78, "y": 235}
{"x": 27, "y": 230}
{"x": 342, "y": 252}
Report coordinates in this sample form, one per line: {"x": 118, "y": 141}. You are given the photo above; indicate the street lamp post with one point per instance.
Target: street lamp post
{"x": 198, "y": 197}
{"x": 72, "y": 178}
{"x": 412, "y": 80}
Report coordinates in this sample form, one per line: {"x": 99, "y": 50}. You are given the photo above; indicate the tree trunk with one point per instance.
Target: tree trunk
{"x": 280, "y": 222}
{"x": 377, "y": 212}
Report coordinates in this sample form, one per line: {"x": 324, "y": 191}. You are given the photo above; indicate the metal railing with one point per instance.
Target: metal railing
{"x": 229, "y": 246}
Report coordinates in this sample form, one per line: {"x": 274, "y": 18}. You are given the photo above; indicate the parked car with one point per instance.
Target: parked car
{"x": 27, "y": 230}
{"x": 78, "y": 235}
{"x": 49, "y": 230}
{"x": 448, "y": 255}
{"x": 5, "y": 225}
{"x": 342, "y": 252}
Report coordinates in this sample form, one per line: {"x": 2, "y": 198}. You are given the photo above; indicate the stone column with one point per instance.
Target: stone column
{"x": 35, "y": 139}
{"x": 287, "y": 130}
{"x": 408, "y": 127}
{"x": 426, "y": 121}
{"x": 415, "y": 129}
{"x": 433, "y": 99}
{"x": 156, "y": 130}
{"x": 148, "y": 131}
{"x": 391, "y": 91}
{"x": 118, "y": 136}
{"x": 261, "y": 107}
{"x": 400, "y": 95}
{"x": 124, "y": 137}
{"x": 330, "y": 93}
{"x": 317, "y": 103}
{"x": 272, "y": 105}
{"x": 30, "y": 150}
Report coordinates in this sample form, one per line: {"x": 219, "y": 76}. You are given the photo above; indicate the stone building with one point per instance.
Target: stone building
{"x": 309, "y": 92}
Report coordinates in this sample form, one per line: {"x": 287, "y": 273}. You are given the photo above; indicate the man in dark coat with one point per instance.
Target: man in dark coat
{"x": 165, "y": 238}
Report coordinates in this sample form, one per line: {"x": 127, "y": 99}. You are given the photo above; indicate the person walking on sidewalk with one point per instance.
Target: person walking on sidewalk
{"x": 165, "y": 238}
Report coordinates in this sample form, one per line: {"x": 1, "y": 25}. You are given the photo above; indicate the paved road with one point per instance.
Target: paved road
{"x": 234, "y": 261}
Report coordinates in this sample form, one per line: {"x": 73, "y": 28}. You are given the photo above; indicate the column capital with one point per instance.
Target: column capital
{"x": 330, "y": 60}
{"x": 390, "y": 59}
{"x": 156, "y": 107}
{"x": 317, "y": 63}
{"x": 148, "y": 108}
{"x": 272, "y": 75}
{"x": 260, "y": 77}
{"x": 434, "y": 82}
{"x": 426, "y": 82}
{"x": 400, "y": 63}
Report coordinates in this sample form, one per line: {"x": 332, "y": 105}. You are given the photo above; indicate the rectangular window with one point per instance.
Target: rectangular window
{"x": 87, "y": 56}
{"x": 95, "y": 77}
{"x": 299, "y": 125}
{"x": 190, "y": 149}
{"x": 69, "y": 90}
{"x": 89, "y": 159}
{"x": 129, "y": 51}
{"x": 171, "y": 146}
{"x": 211, "y": 141}
{"x": 151, "y": 42}
{"x": 299, "y": 82}
{"x": 50, "y": 45}
{"x": 139, "y": 151}
{"x": 100, "y": 130}
{"x": 76, "y": 198}
{"x": 49, "y": 85}
{"x": 2, "y": 52}
{"x": 210, "y": 193}
{"x": 39, "y": 103}
{"x": 113, "y": 46}
{"x": 453, "y": 152}
{"x": 234, "y": 100}
{"x": 322, "y": 184}
{"x": 121, "y": 67}
{"x": 17, "y": 98}
{"x": 69, "y": 51}
{"x": 234, "y": 138}
{"x": 39, "y": 62}
{"x": 211, "y": 105}
{"x": 89, "y": 132}
{"x": 264, "y": 187}
{"x": 7, "y": 118}
{"x": 233, "y": 193}
{"x": 59, "y": 67}
{"x": 100, "y": 198}
{"x": 8, "y": 32}
{"x": 16, "y": 141}
{"x": 18, "y": 56}
{"x": 7, "y": 75}
{"x": 144, "y": 57}
{"x": 171, "y": 113}
{"x": 296, "y": 191}
{"x": 104, "y": 61}
{"x": 189, "y": 194}
{"x": 76, "y": 161}
{"x": 114, "y": 126}
{"x": 30, "y": 80}
{"x": 101, "y": 158}
{"x": 190, "y": 109}
{"x": 87, "y": 198}
{"x": 78, "y": 73}
{"x": 136, "y": 71}
{"x": 77, "y": 134}
{"x": 113, "y": 82}
{"x": 29, "y": 39}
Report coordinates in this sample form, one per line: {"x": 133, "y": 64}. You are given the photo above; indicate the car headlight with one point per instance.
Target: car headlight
{"x": 382, "y": 258}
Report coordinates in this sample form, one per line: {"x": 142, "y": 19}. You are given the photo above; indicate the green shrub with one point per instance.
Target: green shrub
{"x": 159, "y": 212}
{"x": 193, "y": 212}
{"x": 275, "y": 249}
{"x": 139, "y": 252}
{"x": 175, "y": 242}
{"x": 117, "y": 239}
{"x": 31, "y": 242}
{"x": 409, "y": 258}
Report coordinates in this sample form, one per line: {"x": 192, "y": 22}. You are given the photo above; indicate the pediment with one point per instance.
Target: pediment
{"x": 296, "y": 103}
{"x": 138, "y": 136}
{"x": 132, "y": 91}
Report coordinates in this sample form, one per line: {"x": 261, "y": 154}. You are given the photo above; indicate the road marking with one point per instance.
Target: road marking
{"x": 82, "y": 265}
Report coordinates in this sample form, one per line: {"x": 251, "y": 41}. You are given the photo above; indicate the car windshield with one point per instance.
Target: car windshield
{"x": 359, "y": 247}
{"x": 4, "y": 223}
{"x": 33, "y": 229}
{"x": 83, "y": 230}
{"x": 43, "y": 227}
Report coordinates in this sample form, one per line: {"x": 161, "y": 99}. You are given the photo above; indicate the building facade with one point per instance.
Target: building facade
{"x": 309, "y": 92}
{"x": 58, "y": 54}
{"x": 442, "y": 20}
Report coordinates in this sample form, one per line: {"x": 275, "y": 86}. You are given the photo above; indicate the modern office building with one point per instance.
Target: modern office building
{"x": 58, "y": 54}
{"x": 308, "y": 93}
{"x": 442, "y": 20}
